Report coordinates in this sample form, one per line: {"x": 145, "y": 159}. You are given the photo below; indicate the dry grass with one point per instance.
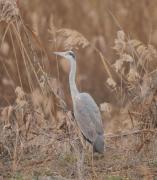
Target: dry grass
{"x": 39, "y": 138}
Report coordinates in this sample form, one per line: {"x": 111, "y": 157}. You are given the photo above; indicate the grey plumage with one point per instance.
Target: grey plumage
{"x": 86, "y": 111}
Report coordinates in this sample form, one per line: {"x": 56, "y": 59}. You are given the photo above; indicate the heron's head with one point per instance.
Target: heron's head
{"x": 69, "y": 55}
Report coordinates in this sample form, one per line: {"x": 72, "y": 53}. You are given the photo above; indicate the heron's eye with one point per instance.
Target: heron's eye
{"x": 72, "y": 54}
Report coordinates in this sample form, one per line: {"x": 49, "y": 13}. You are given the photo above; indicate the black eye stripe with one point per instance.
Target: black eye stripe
{"x": 72, "y": 54}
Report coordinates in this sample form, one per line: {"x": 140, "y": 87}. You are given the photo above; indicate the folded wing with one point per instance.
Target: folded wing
{"x": 88, "y": 116}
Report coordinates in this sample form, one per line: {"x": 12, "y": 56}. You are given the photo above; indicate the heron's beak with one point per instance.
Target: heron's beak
{"x": 62, "y": 54}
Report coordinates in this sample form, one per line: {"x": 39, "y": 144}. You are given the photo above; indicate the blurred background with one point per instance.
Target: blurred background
{"x": 98, "y": 21}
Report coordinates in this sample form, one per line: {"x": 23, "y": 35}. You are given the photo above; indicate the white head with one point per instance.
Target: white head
{"x": 69, "y": 55}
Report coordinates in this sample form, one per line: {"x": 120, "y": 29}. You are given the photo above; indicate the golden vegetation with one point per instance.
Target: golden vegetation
{"x": 38, "y": 135}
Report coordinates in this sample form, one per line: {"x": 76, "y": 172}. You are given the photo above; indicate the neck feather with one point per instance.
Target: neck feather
{"x": 73, "y": 88}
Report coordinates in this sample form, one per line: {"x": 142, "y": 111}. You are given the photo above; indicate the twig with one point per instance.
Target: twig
{"x": 130, "y": 133}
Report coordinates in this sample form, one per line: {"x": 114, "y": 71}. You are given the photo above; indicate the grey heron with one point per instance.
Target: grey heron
{"x": 86, "y": 111}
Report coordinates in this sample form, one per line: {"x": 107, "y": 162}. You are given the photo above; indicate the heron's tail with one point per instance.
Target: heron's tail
{"x": 98, "y": 145}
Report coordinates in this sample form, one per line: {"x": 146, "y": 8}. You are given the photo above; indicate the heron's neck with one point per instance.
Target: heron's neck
{"x": 73, "y": 88}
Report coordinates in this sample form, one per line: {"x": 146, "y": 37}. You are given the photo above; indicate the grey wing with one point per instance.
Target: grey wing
{"x": 88, "y": 116}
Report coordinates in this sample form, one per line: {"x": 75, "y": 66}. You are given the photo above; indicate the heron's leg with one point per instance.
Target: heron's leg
{"x": 86, "y": 145}
{"x": 83, "y": 142}
{"x": 89, "y": 146}
{"x": 93, "y": 170}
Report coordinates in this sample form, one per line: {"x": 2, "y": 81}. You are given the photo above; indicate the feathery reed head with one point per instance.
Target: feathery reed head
{"x": 8, "y": 10}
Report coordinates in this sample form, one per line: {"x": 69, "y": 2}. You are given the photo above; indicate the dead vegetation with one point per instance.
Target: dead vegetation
{"x": 38, "y": 135}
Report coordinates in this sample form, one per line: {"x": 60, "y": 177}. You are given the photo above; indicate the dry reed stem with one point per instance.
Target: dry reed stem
{"x": 24, "y": 52}
{"x": 105, "y": 63}
{"x": 15, "y": 54}
{"x": 5, "y": 32}
{"x": 18, "y": 37}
